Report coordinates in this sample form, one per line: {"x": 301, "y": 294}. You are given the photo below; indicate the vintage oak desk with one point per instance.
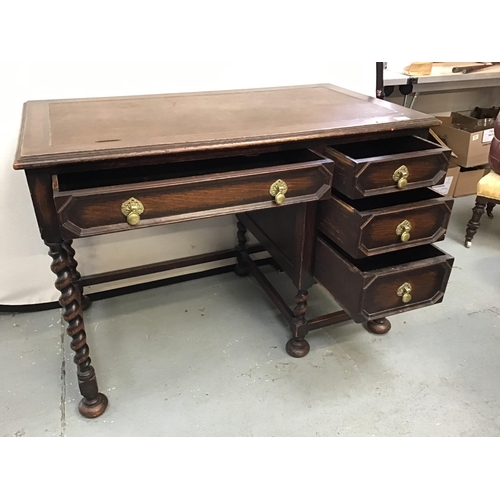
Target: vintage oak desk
{"x": 334, "y": 185}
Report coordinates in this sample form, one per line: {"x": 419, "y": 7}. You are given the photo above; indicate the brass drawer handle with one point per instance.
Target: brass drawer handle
{"x": 404, "y": 291}
{"x": 403, "y": 230}
{"x": 132, "y": 209}
{"x": 278, "y": 190}
{"x": 401, "y": 176}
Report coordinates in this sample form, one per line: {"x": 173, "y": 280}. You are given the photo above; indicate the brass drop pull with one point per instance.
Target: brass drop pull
{"x": 404, "y": 291}
{"x": 403, "y": 230}
{"x": 132, "y": 209}
{"x": 278, "y": 190}
{"x": 401, "y": 176}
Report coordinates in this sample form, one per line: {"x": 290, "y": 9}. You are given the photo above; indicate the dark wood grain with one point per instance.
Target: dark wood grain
{"x": 368, "y": 227}
{"x": 298, "y": 346}
{"x": 379, "y": 326}
{"x": 41, "y": 191}
{"x": 197, "y": 155}
{"x": 474, "y": 222}
{"x": 369, "y": 171}
{"x": 97, "y": 210}
{"x": 327, "y": 320}
{"x": 75, "y": 275}
{"x": 288, "y": 234}
{"x": 241, "y": 268}
{"x": 267, "y": 239}
{"x": 367, "y": 288}
{"x": 65, "y": 132}
{"x": 277, "y": 299}
{"x": 159, "y": 267}
{"x": 93, "y": 403}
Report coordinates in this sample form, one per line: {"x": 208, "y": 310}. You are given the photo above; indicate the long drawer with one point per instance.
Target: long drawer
{"x": 375, "y": 225}
{"x": 383, "y": 285}
{"x": 387, "y": 165}
{"x": 116, "y": 200}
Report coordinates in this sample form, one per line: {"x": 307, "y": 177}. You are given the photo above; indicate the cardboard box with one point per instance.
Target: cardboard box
{"x": 470, "y": 123}
{"x": 450, "y": 182}
{"x": 467, "y": 181}
{"x": 472, "y": 148}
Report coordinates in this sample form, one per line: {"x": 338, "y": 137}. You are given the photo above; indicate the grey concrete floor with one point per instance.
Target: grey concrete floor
{"x": 207, "y": 358}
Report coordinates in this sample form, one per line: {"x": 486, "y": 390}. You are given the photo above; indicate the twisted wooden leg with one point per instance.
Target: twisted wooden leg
{"x": 93, "y": 403}
{"x": 75, "y": 275}
{"x": 241, "y": 268}
{"x": 379, "y": 326}
{"x": 473, "y": 224}
{"x": 298, "y": 346}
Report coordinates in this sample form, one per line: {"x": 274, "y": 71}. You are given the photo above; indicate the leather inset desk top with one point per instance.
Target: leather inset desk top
{"x": 76, "y": 130}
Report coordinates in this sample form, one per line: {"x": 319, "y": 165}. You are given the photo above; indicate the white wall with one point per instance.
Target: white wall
{"x": 25, "y": 276}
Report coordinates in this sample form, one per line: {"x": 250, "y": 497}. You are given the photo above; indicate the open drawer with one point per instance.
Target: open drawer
{"x": 387, "y": 165}
{"x": 125, "y": 198}
{"x": 379, "y": 224}
{"x": 383, "y": 285}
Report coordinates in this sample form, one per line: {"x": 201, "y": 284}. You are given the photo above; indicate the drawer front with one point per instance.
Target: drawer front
{"x": 403, "y": 281}
{"x": 91, "y": 211}
{"x": 367, "y": 169}
{"x": 370, "y": 231}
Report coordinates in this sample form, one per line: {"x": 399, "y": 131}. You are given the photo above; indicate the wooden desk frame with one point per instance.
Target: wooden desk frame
{"x": 43, "y": 157}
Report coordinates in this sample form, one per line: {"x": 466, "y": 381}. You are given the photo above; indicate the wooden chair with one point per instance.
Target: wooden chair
{"x": 488, "y": 188}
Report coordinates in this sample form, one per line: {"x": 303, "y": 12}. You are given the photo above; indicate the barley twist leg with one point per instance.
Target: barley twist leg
{"x": 93, "y": 403}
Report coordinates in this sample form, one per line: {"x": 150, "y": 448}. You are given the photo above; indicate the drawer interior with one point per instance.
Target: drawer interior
{"x": 391, "y": 259}
{"x": 385, "y": 147}
{"x": 131, "y": 175}
{"x": 389, "y": 200}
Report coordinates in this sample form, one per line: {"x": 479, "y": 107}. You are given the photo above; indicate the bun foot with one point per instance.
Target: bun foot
{"x": 379, "y": 326}
{"x": 297, "y": 348}
{"x": 242, "y": 269}
{"x": 468, "y": 244}
{"x": 94, "y": 408}
{"x": 86, "y": 302}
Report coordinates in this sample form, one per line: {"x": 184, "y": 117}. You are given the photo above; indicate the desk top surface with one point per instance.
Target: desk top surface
{"x": 59, "y": 132}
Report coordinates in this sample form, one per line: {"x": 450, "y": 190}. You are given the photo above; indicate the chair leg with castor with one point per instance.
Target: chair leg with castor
{"x": 473, "y": 224}
{"x": 489, "y": 209}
